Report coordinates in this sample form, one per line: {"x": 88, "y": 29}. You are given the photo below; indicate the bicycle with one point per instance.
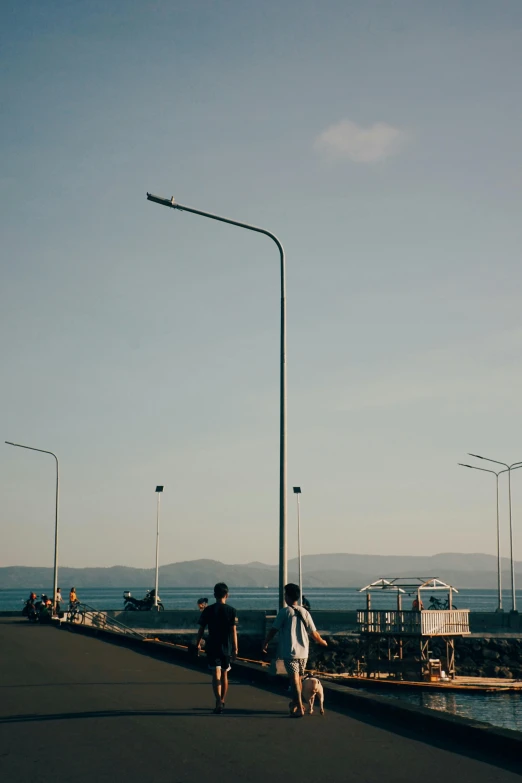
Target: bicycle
{"x": 74, "y": 614}
{"x": 437, "y": 604}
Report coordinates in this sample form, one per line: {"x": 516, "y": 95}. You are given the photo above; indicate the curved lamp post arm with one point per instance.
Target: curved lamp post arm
{"x": 44, "y": 451}
{"x": 484, "y": 470}
{"x": 174, "y": 205}
{"x": 283, "y": 435}
{"x": 486, "y": 459}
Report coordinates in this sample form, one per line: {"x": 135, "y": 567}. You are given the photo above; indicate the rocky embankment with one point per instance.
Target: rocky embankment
{"x": 489, "y": 657}
{"x": 474, "y": 657}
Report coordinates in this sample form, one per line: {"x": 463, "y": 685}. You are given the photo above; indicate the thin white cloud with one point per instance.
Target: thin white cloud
{"x": 346, "y": 140}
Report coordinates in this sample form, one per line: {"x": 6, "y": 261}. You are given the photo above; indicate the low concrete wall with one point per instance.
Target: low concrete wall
{"x": 254, "y": 621}
{"x": 251, "y": 621}
{"x": 495, "y": 622}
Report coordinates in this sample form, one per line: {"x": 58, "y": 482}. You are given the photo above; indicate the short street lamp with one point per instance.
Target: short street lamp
{"x": 159, "y": 490}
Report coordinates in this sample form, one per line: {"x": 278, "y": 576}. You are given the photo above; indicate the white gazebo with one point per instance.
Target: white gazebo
{"x": 387, "y": 635}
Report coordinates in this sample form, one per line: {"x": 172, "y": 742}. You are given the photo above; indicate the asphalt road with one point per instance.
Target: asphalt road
{"x": 77, "y": 709}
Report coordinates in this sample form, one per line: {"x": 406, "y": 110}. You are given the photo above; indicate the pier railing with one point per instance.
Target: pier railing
{"x": 445, "y": 622}
{"x": 83, "y": 614}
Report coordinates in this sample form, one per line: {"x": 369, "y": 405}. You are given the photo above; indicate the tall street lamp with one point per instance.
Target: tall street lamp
{"x": 499, "y": 564}
{"x": 509, "y": 468}
{"x": 43, "y": 451}
{"x": 159, "y": 490}
{"x": 297, "y": 492}
{"x": 282, "y": 407}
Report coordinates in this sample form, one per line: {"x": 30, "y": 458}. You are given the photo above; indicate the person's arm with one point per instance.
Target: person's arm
{"x": 203, "y": 622}
{"x": 270, "y": 635}
{"x": 200, "y": 635}
{"x": 234, "y": 640}
{"x": 316, "y": 636}
{"x": 276, "y": 626}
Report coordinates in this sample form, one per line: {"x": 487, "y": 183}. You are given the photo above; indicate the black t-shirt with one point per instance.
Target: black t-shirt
{"x": 220, "y": 619}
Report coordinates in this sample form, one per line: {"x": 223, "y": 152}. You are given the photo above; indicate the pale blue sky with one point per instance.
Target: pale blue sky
{"x": 382, "y": 142}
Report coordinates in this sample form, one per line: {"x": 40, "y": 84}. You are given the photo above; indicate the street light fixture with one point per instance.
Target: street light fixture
{"x": 282, "y": 415}
{"x": 509, "y": 468}
{"x": 297, "y": 492}
{"x": 43, "y": 451}
{"x": 159, "y": 490}
{"x": 499, "y": 564}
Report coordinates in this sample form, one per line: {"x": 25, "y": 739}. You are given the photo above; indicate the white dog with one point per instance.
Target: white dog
{"x": 312, "y": 687}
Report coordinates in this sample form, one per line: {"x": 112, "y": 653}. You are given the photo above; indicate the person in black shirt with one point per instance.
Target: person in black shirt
{"x": 221, "y": 645}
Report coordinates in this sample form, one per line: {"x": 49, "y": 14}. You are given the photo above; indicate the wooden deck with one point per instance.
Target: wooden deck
{"x": 462, "y": 684}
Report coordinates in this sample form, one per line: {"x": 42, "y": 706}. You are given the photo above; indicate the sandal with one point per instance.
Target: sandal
{"x": 218, "y": 710}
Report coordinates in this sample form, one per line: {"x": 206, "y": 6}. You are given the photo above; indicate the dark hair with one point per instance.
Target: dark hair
{"x": 293, "y": 592}
{"x": 220, "y": 590}
{"x": 202, "y": 601}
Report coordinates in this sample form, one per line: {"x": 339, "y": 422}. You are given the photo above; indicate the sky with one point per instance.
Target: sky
{"x": 381, "y": 143}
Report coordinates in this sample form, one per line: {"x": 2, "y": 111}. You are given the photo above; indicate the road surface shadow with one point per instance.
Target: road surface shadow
{"x": 197, "y": 712}
{"x": 148, "y": 683}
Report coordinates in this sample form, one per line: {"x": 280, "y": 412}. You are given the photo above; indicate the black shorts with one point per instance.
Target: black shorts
{"x": 218, "y": 661}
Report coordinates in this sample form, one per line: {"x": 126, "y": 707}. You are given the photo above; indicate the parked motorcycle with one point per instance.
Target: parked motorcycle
{"x": 29, "y": 609}
{"x": 145, "y": 604}
{"x": 44, "y": 609}
{"x": 38, "y": 611}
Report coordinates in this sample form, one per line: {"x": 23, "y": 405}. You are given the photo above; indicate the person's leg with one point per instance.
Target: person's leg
{"x": 216, "y": 684}
{"x": 224, "y": 685}
{"x": 297, "y": 691}
{"x": 294, "y": 669}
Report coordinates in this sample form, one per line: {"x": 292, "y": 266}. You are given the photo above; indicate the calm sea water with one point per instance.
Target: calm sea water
{"x": 255, "y": 598}
{"x": 499, "y": 709}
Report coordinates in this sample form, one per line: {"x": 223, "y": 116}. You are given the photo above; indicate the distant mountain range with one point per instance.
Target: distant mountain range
{"x": 330, "y": 570}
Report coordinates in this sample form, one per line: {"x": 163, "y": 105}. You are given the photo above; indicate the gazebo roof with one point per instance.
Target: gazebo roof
{"x": 408, "y": 584}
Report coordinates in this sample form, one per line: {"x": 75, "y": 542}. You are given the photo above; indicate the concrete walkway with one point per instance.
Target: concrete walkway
{"x": 76, "y": 709}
